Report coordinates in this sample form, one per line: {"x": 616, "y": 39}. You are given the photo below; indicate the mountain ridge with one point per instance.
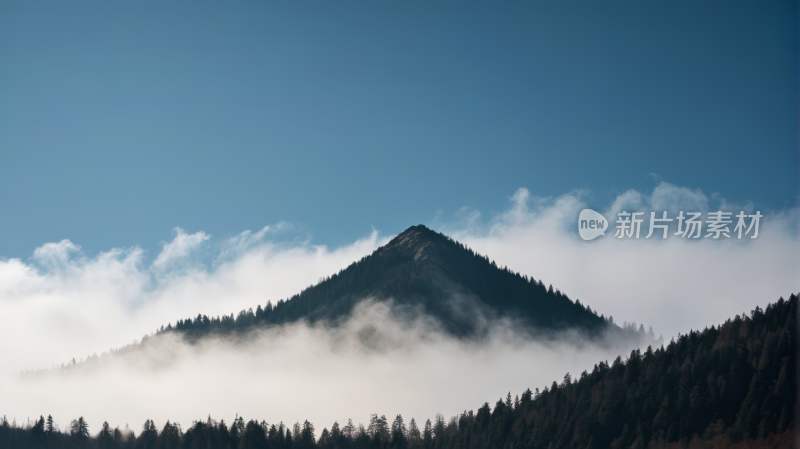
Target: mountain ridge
{"x": 423, "y": 271}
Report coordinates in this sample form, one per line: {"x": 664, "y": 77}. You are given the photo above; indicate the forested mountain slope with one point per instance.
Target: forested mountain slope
{"x": 731, "y": 386}
{"x": 424, "y": 272}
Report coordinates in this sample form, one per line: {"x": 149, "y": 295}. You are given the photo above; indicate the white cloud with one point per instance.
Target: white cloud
{"x": 674, "y": 285}
{"x": 55, "y": 255}
{"x": 180, "y": 247}
{"x": 247, "y": 240}
{"x": 668, "y": 197}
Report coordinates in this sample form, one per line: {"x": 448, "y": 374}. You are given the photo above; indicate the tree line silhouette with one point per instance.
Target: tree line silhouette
{"x": 732, "y": 385}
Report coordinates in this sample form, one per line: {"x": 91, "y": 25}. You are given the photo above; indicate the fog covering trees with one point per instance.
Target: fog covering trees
{"x": 726, "y": 386}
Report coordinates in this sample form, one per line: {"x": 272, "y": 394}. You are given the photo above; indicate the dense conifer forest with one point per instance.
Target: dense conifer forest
{"x": 424, "y": 269}
{"x": 732, "y": 385}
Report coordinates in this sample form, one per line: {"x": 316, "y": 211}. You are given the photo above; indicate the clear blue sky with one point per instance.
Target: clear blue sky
{"x": 122, "y": 120}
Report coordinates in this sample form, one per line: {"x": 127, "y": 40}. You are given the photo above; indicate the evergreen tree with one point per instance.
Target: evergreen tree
{"x": 399, "y": 433}
{"x": 170, "y": 437}
{"x": 79, "y": 432}
{"x": 50, "y": 426}
{"x": 427, "y": 435}
{"x": 414, "y": 435}
{"x": 307, "y": 440}
{"x": 105, "y": 439}
{"x": 149, "y": 436}
{"x": 254, "y": 436}
{"x": 37, "y": 432}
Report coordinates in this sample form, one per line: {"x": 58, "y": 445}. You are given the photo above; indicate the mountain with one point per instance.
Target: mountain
{"x": 423, "y": 272}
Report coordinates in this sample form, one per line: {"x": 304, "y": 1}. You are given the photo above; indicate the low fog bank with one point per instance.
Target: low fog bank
{"x": 375, "y": 362}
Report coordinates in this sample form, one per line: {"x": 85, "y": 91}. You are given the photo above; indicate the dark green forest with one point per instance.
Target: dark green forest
{"x": 422, "y": 271}
{"x": 732, "y": 385}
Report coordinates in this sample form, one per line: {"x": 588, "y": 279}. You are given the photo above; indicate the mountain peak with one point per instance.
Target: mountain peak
{"x": 423, "y": 271}
{"x": 430, "y": 271}
{"x": 418, "y": 240}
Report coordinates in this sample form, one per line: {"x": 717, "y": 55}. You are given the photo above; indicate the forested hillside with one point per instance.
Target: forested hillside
{"x": 732, "y": 385}
{"x": 426, "y": 272}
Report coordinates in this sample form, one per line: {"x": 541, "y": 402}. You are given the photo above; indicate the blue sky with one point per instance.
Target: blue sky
{"x": 119, "y": 122}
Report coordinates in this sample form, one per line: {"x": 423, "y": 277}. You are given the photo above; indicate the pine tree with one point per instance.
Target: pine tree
{"x": 38, "y": 434}
{"x": 307, "y": 439}
{"x": 414, "y": 435}
{"x": 170, "y": 437}
{"x": 149, "y": 435}
{"x": 349, "y": 430}
{"x": 427, "y": 435}
{"x": 237, "y": 428}
{"x": 105, "y": 439}
{"x": 253, "y": 436}
{"x": 399, "y": 434}
{"x": 79, "y": 432}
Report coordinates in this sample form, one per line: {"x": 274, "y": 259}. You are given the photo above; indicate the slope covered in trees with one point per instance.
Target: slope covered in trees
{"x": 422, "y": 271}
{"x": 732, "y": 385}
